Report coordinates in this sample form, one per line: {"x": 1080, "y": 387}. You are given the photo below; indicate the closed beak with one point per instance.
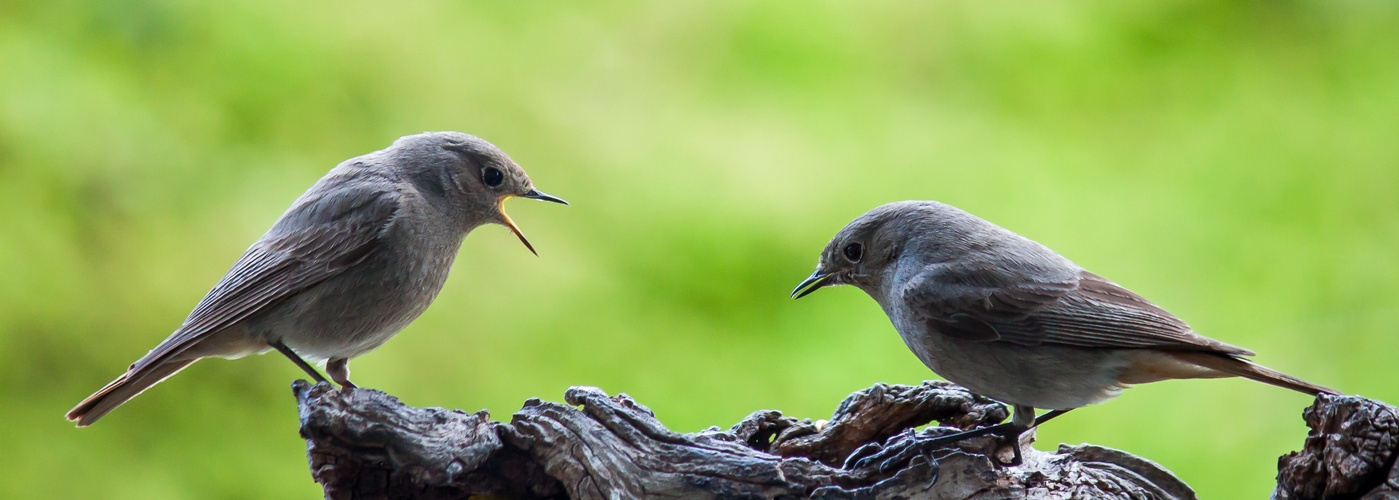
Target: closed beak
{"x": 812, "y": 283}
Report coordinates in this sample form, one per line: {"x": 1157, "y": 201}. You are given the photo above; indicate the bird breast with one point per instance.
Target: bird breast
{"x": 364, "y": 306}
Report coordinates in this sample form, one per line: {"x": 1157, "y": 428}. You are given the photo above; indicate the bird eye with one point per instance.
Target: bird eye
{"x": 853, "y": 252}
{"x": 492, "y": 176}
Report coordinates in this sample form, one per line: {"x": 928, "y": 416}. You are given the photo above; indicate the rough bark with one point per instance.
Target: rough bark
{"x": 1349, "y": 453}
{"x": 365, "y": 444}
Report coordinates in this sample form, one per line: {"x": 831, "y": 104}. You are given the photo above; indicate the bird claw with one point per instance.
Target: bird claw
{"x": 1013, "y": 437}
{"x": 903, "y": 447}
{"x": 900, "y": 449}
{"x": 856, "y": 458}
{"x": 904, "y": 455}
{"x": 1014, "y": 462}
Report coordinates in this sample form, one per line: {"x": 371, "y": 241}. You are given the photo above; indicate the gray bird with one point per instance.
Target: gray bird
{"x": 354, "y": 260}
{"x": 1010, "y": 319}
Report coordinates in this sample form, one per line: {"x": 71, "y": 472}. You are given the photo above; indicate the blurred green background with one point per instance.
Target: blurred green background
{"x": 1234, "y": 161}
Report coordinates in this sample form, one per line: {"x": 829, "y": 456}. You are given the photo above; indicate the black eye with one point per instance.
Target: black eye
{"x": 853, "y": 252}
{"x": 492, "y": 177}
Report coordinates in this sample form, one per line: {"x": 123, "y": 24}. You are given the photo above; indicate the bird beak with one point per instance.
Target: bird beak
{"x": 516, "y": 229}
{"x": 812, "y": 283}
{"x": 534, "y": 194}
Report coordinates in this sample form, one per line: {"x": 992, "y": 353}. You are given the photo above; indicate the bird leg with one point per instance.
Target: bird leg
{"x": 907, "y": 445}
{"x": 286, "y": 351}
{"x": 900, "y": 448}
{"x": 339, "y": 371}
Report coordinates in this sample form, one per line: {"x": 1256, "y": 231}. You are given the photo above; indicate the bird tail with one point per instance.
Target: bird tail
{"x": 1247, "y": 369}
{"x": 123, "y": 389}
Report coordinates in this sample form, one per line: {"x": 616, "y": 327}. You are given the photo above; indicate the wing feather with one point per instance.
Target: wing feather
{"x": 998, "y": 304}
{"x": 334, "y": 226}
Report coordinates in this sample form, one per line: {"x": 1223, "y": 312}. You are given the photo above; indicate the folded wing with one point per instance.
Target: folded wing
{"x": 320, "y": 236}
{"x": 997, "y": 303}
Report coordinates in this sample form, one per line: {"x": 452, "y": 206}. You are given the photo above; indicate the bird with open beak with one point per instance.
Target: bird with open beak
{"x": 354, "y": 260}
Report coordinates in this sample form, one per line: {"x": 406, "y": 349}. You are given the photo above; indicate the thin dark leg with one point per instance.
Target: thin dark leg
{"x": 1011, "y": 431}
{"x": 339, "y": 370}
{"x": 1049, "y": 415}
{"x": 286, "y": 351}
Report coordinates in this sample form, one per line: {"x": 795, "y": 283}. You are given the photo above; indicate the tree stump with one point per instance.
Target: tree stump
{"x": 365, "y": 444}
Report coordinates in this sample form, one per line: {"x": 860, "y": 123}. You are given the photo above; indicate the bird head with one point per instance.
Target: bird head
{"x": 860, "y": 252}
{"x": 480, "y": 177}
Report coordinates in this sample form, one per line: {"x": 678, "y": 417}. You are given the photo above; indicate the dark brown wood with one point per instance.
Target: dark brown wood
{"x": 365, "y": 444}
{"x": 1349, "y": 453}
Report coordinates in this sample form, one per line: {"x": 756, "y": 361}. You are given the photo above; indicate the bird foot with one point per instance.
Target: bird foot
{"x": 1013, "y": 438}
{"x": 339, "y": 371}
{"x": 904, "y": 446}
{"x": 898, "y": 450}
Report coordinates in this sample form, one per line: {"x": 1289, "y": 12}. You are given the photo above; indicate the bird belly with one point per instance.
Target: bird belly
{"x": 360, "y": 309}
{"x": 1048, "y": 377}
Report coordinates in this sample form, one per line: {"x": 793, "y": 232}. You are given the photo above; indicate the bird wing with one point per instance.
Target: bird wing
{"x": 1080, "y": 309}
{"x": 330, "y": 229}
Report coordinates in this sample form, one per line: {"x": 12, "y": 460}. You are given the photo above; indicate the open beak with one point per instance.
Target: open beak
{"x": 533, "y": 194}
{"x": 516, "y": 229}
{"x": 812, "y": 283}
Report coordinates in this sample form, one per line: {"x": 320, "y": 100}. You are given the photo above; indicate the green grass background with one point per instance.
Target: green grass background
{"x": 1236, "y": 162}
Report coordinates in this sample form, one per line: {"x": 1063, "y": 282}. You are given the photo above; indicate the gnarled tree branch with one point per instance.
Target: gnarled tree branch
{"x": 366, "y": 444}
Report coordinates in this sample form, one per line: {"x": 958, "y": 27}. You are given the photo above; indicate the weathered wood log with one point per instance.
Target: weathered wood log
{"x": 1349, "y": 453}
{"x": 365, "y": 444}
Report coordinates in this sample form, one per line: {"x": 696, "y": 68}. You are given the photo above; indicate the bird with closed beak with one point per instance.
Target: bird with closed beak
{"x": 1010, "y": 319}
{"x": 355, "y": 259}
